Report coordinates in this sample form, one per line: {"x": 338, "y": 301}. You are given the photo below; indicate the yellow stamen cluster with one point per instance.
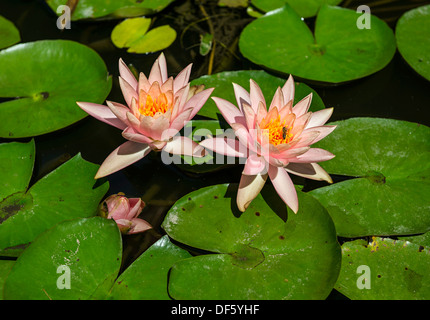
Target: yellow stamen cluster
{"x": 277, "y": 132}
{"x": 152, "y": 107}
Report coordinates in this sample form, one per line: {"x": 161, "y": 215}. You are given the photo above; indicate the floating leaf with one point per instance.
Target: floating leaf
{"x": 338, "y": 52}
{"x": 9, "y": 34}
{"x": 205, "y": 44}
{"x": 413, "y": 39}
{"x": 44, "y": 79}
{"x": 304, "y": 8}
{"x": 391, "y": 160}
{"x": 5, "y": 267}
{"x": 82, "y": 253}
{"x": 129, "y": 31}
{"x": 68, "y": 192}
{"x": 146, "y": 278}
{"x": 94, "y": 9}
{"x": 155, "y": 40}
{"x": 222, "y": 82}
{"x": 267, "y": 252}
{"x": 398, "y": 270}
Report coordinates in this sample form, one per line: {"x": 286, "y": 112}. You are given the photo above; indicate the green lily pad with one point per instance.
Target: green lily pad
{"x": 422, "y": 239}
{"x": 5, "y": 267}
{"x": 395, "y": 270}
{"x": 304, "y": 8}
{"x": 44, "y": 79}
{"x": 68, "y": 192}
{"x": 267, "y": 252}
{"x": 76, "y": 259}
{"x": 98, "y": 9}
{"x": 338, "y": 51}
{"x": 9, "y": 34}
{"x": 147, "y": 277}
{"x": 133, "y": 34}
{"x": 391, "y": 162}
{"x": 222, "y": 82}
{"x": 413, "y": 39}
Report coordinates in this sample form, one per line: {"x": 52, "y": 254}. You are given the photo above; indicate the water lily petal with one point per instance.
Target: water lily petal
{"x": 158, "y": 71}
{"x": 138, "y": 225}
{"x": 184, "y": 146}
{"x": 182, "y": 78}
{"x": 278, "y": 100}
{"x": 133, "y": 135}
{"x": 250, "y": 116}
{"x": 322, "y": 131}
{"x": 303, "y": 105}
{"x": 284, "y": 187}
{"x": 313, "y": 155}
{"x": 119, "y": 110}
{"x": 102, "y": 113}
{"x": 242, "y": 96}
{"x": 229, "y": 111}
{"x": 177, "y": 124}
{"x": 249, "y": 188}
{"x": 127, "y": 75}
{"x": 197, "y": 101}
{"x": 309, "y": 170}
{"x": 255, "y": 165}
{"x": 289, "y": 89}
{"x": 126, "y": 154}
{"x": 136, "y": 206}
{"x": 225, "y": 146}
{"x": 256, "y": 95}
{"x": 127, "y": 91}
{"x": 320, "y": 117}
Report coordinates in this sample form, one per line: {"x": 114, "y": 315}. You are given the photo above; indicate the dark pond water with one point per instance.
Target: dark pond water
{"x": 395, "y": 92}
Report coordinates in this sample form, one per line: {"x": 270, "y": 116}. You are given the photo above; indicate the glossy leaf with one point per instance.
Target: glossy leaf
{"x": 223, "y": 84}
{"x": 97, "y": 9}
{"x": 5, "y": 267}
{"x": 267, "y": 252}
{"x": 304, "y": 8}
{"x": 68, "y": 192}
{"x": 9, "y": 34}
{"x": 413, "y": 39}
{"x": 76, "y": 259}
{"x": 44, "y": 79}
{"x": 339, "y": 51}
{"x": 155, "y": 40}
{"x": 395, "y": 270}
{"x": 129, "y": 31}
{"x": 391, "y": 161}
{"x": 147, "y": 277}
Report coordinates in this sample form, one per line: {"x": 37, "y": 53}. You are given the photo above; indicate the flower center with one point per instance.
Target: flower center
{"x": 277, "y": 132}
{"x": 152, "y": 107}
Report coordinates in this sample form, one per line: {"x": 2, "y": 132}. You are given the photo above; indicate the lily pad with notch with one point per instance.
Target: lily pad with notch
{"x": 337, "y": 52}
{"x": 68, "y": 192}
{"x": 390, "y": 163}
{"x": 267, "y": 252}
{"x": 43, "y": 81}
{"x": 304, "y": 8}
{"x": 9, "y": 34}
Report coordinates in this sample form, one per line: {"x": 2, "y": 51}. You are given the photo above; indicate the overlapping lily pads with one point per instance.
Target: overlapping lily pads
{"x": 9, "y": 34}
{"x": 60, "y": 264}
{"x": 390, "y": 269}
{"x": 304, "y": 8}
{"x": 267, "y": 252}
{"x": 68, "y": 192}
{"x": 391, "y": 162}
{"x": 413, "y": 39}
{"x": 223, "y": 84}
{"x": 43, "y": 80}
{"x": 133, "y": 34}
{"x": 99, "y": 9}
{"x": 337, "y": 52}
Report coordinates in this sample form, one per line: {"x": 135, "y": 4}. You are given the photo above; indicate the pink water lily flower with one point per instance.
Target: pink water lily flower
{"x": 157, "y": 108}
{"x": 125, "y": 212}
{"x": 276, "y": 141}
